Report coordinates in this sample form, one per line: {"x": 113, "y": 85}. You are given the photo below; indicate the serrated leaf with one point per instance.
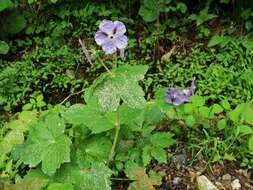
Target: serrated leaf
{"x": 18, "y": 127}
{"x": 121, "y": 84}
{"x": 88, "y": 115}
{"x": 5, "y": 4}
{"x": 129, "y": 91}
{"x": 146, "y": 157}
{"x": 136, "y": 72}
{"x": 93, "y": 150}
{"x": 142, "y": 180}
{"x": 95, "y": 178}
{"x": 47, "y": 144}
{"x": 4, "y": 47}
{"x": 159, "y": 154}
{"x": 108, "y": 96}
{"x": 162, "y": 140}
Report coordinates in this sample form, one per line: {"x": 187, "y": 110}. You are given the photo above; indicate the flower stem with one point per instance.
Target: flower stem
{"x": 115, "y": 61}
{"x": 106, "y": 68}
{"x": 117, "y": 127}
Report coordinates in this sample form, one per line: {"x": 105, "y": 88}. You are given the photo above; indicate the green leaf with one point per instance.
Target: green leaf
{"x": 222, "y": 124}
{"x": 146, "y": 157}
{"x": 247, "y": 41}
{"x": 129, "y": 91}
{"x": 204, "y": 111}
{"x": 135, "y": 73}
{"x": 159, "y": 154}
{"x": 244, "y": 129}
{"x": 202, "y": 17}
{"x": 4, "y": 47}
{"x": 5, "y": 4}
{"x": 46, "y": 143}
{"x": 190, "y": 121}
{"x": 93, "y": 150}
{"x": 251, "y": 143}
{"x": 34, "y": 184}
{"x": 121, "y": 84}
{"x": 18, "y": 127}
{"x": 95, "y": 178}
{"x": 149, "y": 10}
{"x": 225, "y": 104}
{"x": 216, "y": 109}
{"x": 108, "y": 96}
{"x": 60, "y": 186}
{"x": 219, "y": 40}
{"x": 162, "y": 140}
{"x": 197, "y": 101}
{"x": 88, "y": 115}
{"x": 14, "y": 23}
{"x": 229, "y": 157}
{"x": 161, "y": 103}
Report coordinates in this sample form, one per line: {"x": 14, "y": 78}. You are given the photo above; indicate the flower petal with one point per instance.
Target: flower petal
{"x": 122, "y": 53}
{"x": 121, "y": 42}
{"x": 109, "y": 47}
{"x": 175, "y": 96}
{"x": 85, "y": 51}
{"x": 120, "y": 28}
{"x": 101, "y": 38}
{"x": 107, "y": 26}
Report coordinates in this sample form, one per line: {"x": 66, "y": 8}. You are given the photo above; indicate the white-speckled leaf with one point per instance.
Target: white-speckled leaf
{"x": 108, "y": 97}
{"x": 95, "y": 178}
{"x": 130, "y": 92}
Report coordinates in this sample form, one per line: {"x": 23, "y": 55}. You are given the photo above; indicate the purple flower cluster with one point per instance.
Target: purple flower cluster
{"x": 176, "y": 97}
{"x": 111, "y": 36}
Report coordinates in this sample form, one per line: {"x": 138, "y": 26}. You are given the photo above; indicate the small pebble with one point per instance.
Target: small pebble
{"x": 205, "y": 184}
{"x": 226, "y": 177}
{"x": 236, "y": 184}
{"x": 179, "y": 159}
{"x": 176, "y": 181}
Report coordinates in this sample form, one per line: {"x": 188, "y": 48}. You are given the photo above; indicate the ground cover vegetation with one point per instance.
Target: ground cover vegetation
{"x": 100, "y": 94}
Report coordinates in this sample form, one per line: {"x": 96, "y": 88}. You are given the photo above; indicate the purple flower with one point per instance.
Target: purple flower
{"x": 111, "y": 36}
{"x": 85, "y": 51}
{"x": 176, "y": 97}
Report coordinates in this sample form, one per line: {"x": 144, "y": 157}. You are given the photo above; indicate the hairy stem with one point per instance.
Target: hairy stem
{"x": 117, "y": 128}
{"x": 106, "y": 68}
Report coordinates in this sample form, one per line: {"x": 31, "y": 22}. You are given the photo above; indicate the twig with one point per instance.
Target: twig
{"x": 71, "y": 96}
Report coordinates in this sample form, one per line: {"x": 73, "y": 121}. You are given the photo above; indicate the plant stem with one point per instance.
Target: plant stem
{"x": 115, "y": 61}
{"x": 106, "y": 68}
{"x": 117, "y": 127}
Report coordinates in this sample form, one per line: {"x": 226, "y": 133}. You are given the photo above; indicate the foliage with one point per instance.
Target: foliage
{"x": 121, "y": 126}
{"x": 12, "y": 22}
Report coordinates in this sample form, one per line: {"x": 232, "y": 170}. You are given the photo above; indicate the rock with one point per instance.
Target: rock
{"x": 236, "y": 184}
{"x": 226, "y": 177}
{"x": 205, "y": 184}
{"x": 176, "y": 181}
{"x": 179, "y": 160}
